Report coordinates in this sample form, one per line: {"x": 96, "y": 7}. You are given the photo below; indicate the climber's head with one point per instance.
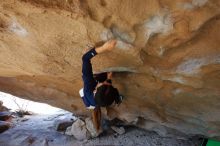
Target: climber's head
{"x": 106, "y": 94}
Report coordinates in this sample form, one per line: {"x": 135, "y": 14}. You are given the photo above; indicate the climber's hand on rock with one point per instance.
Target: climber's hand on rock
{"x": 109, "y": 75}
{"x": 108, "y": 46}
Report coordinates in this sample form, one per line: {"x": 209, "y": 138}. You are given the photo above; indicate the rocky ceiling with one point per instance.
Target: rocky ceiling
{"x": 167, "y": 58}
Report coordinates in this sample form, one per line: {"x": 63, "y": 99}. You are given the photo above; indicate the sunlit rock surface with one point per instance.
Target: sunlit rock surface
{"x": 167, "y": 58}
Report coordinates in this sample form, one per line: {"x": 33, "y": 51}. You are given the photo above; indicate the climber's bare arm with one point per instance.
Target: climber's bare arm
{"x": 109, "y": 75}
{"x": 108, "y": 46}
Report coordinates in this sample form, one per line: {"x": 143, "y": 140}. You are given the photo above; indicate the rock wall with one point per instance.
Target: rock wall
{"x": 167, "y": 58}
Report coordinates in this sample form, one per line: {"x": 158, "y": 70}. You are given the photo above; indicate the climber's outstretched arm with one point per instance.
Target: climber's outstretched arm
{"x": 86, "y": 59}
{"x": 87, "y": 73}
{"x": 108, "y": 46}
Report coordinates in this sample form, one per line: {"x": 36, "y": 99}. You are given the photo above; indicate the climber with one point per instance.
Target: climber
{"x": 98, "y": 91}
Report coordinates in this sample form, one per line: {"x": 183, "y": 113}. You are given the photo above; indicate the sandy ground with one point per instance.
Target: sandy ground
{"x": 39, "y": 130}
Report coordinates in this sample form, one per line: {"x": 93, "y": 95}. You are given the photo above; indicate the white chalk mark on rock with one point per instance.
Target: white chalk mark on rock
{"x": 161, "y": 23}
{"x": 192, "y": 66}
{"x": 162, "y": 49}
{"x": 123, "y": 45}
{"x": 186, "y": 6}
{"x": 177, "y": 91}
{"x": 194, "y": 4}
{"x": 106, "y": 35}
{"x": 124, "y": 40}
{"x": 177, "y": 79}
{"x": 16, "y": 28}
{"x": 199, "y": 3}
{"x": 121, "y": 35}
{"x": 119, "y": 69}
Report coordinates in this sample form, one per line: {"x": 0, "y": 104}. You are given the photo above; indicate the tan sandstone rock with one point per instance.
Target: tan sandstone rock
{"x": 167, "y": 58}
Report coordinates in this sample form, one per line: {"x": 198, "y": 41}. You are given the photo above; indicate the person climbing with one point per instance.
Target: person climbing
{"x": 98, "y": 90}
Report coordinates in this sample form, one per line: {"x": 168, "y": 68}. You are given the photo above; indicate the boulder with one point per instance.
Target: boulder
{"x": 78, "y": 130}
{"x": 4, "y": 126}
{"x": 2, "y": 108}
{"x": 166, "y": 61}
{"x": 91, "y": 128}
{"x": 118, "y": 130}
{"x": 69, "y": 131}
{"x": 62, "y": 125}
{"x": 5, "y": 116}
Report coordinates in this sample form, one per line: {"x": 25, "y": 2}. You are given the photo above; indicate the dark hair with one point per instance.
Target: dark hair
{"x": 106, "y": 95}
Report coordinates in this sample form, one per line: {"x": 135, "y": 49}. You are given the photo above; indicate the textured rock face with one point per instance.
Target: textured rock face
{"x": 167, "y": 56}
